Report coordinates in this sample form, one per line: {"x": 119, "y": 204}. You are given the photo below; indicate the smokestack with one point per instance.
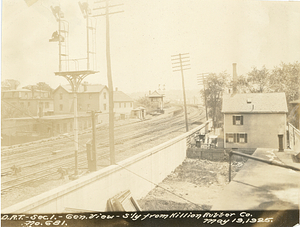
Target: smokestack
{"x": 234, "y": 86}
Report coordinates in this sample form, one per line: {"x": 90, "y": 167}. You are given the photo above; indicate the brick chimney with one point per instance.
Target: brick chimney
{"x": 234, "y": 79}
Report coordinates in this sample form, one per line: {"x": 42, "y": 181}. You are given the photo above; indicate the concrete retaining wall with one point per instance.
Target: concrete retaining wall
{"x": 139, "y": 174}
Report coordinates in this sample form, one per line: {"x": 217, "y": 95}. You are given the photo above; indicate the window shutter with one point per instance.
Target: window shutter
{"x": 234, "y": 137}
{"x": 241, "y": 120}
{"x": 233, "y": 118}
{"x": 245, "y": 137}
{"x": 237, "y": 137}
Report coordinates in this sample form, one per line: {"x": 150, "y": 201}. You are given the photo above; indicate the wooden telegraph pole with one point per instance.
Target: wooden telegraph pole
{"x": 106, "y": 13}
{"x": 202, "y": 81}
{"x": 182, "y": 62}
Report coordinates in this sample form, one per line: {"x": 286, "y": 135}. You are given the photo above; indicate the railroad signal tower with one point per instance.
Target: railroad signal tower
{"x": 91, "y": 35}
{"x": 75, "y": 76}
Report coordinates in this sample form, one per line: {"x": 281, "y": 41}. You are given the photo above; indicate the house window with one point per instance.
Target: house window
{"x": 61, "y": 107}
{"x": 65, "y": 127}
{"x": 236, "y": 137}
{"x": 104, "y": 95}
{"x": 237, "y": 120}
{"x": 61, "y": 96}
{"x": 46, "y": 104}
{"x": 229, "y": 137}
{"x": 241, "y": 137}
{"x": 104, "y": 106}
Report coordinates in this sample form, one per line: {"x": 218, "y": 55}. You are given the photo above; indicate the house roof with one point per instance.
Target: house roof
{"x": 254, "y": 103}
{"x": 120, "y": 96}
{"x": 90, "y": 88}
{"x": 155, "y": 94}
{"x": 16, "y": 90}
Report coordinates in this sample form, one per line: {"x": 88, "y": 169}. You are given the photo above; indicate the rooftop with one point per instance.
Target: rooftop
{"x": 254, "y": 103}
{"x": 120, "y": 96}
{"x": 155, "y": 94}
{"x": 85, "y": 88}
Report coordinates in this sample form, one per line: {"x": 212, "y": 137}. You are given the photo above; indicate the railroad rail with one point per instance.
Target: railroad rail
{"x": 41, "y": 166}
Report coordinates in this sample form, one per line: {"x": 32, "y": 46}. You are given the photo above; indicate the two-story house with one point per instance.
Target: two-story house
{"x": 254, "y": 120}
{"x": 123, "y": 104}
{"x": 89, "y": 97}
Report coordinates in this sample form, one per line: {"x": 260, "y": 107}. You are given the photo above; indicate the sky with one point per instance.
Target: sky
{"x": 215, "y": 33}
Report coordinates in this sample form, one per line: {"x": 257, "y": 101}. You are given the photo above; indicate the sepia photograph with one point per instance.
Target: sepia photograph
{"x": 150, "y": 113}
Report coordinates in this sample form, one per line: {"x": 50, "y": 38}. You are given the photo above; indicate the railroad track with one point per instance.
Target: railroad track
{"x": 44, "y": 151}
{"x": 66, "y": 160}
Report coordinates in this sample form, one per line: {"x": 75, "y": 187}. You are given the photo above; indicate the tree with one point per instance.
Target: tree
{"x": 10, "y": 84}
{"x": 215, "y": 85}
{"x": 145, "y": 102}
{"x": 286, "y": 78}
{"x": 283, "y": 78}
{"x": 258, "y": 81}
{"x": 44, "y": 87}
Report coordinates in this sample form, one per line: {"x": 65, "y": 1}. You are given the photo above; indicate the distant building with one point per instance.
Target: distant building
{"x": 89, "y": 97}
{"x": 26, "y": 129}
{"x": 156, "y": 100}
{"x": 254, "y": 120}
{"x": 123, "y": 104}
{"x": 24, "y": 102}
{"x": 139, "y": 112}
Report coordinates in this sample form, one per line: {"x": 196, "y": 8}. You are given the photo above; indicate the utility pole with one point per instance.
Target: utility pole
{"x": 182, "y": 62}
{"x": 109, "y": 76}
{"x": 202, "y": 81}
